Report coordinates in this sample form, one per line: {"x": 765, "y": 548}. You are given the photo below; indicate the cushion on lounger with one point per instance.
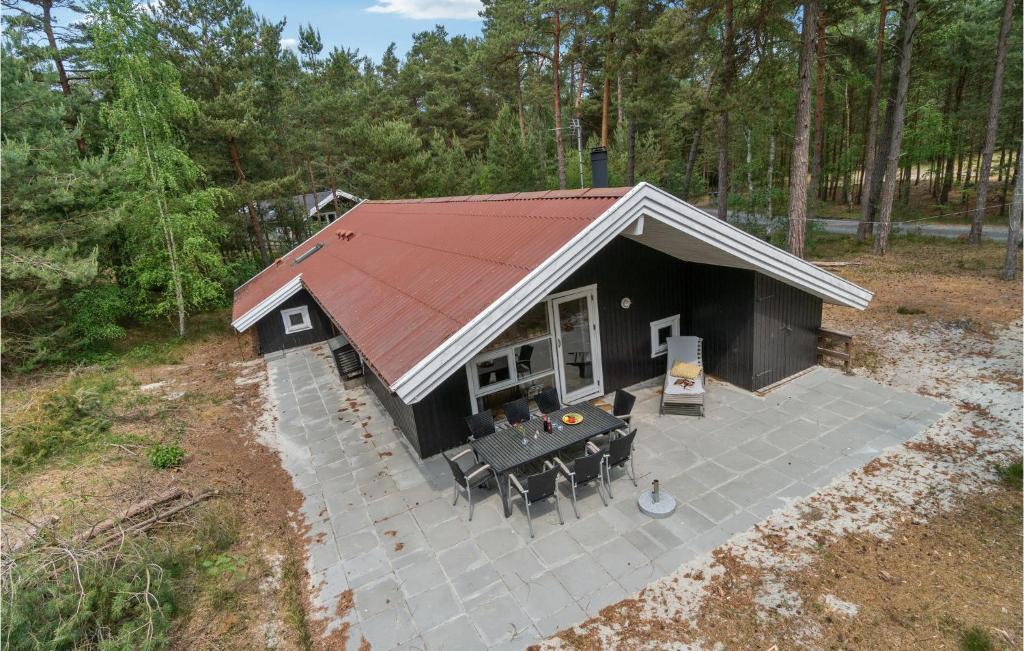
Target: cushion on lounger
{"x": 685, "y": 370}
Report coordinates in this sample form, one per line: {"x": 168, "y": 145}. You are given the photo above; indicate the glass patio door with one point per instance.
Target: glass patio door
{"x": 578, "y": 344}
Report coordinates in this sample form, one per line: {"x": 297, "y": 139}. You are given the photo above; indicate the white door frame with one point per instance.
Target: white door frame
{"x": 597, "y": 387}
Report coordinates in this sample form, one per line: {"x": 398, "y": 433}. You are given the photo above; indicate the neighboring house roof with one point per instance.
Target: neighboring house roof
{"x": 421, "y": 286}
{"x": 312, "y": 202}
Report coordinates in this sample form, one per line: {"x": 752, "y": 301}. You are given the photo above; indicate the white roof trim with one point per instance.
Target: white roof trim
{"x": 642, "y": 200}
{"x": 330, "y": 197}
{"x": 267, "y": 305}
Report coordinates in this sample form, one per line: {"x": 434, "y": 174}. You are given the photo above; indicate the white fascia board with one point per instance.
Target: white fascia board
{"x": 644, "y": 199}
{"x": 330, "y": 197}
{"x": 264, "y": 307}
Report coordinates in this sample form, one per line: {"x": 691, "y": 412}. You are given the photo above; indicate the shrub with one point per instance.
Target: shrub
{"x": 69, "y": 418}
{"x": 93, "y": 316}
{"x": 1012, "y": 475}
{"x": 166, "y": 456}
{"x": 976, "y": 639}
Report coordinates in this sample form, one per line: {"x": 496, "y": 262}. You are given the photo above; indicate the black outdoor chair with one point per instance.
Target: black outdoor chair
{"x": 623, "y": 406}
{"x": 475, "y": 476}
{"x": 618, "y": 453}
{"x": 480, "y": 425}
{"x": 584, "y": 470}
{"x": 517, "y": 411}
{"x": 547, "y": 400}
{"x": 538, "y": 487}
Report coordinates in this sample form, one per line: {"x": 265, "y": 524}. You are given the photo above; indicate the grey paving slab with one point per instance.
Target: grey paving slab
{"x": 425, "y": 576}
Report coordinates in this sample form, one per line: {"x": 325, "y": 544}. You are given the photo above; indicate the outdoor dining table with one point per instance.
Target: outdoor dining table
{"x": 505, "y": 451}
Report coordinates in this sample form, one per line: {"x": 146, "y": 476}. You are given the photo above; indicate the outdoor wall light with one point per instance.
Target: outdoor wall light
{"x": 625, "y": 303}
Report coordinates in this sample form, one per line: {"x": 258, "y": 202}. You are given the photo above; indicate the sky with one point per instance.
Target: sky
{"x": 371, "y": 25}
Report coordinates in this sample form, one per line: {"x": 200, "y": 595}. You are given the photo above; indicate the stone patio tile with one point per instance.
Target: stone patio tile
{"x": 864, "y": 398}
{"x": 447, "y": 534}
{"x": 328, "y": 456}
{"x": 714, "y": 507}
{"x": 712, "y": 445}
{"x": 327, "y": 444}
{"x": 364, "y": 568}
{"x": 845, "y": 408}
{"x": 380, "y": 595}
{"x": 499, "y": 541}
{"x": 736, "y": 461}
{"x": 661, "y": 534}
{"x": 671, "y": 560}
{"x": 387, "y": 507}
{"x": 591, "y": 531}
{"x": 422, "y": 574}
{"x": 541, "y": 596}
{"x": 767, "y": 506}
{"x": 884, "y": 441}
{"x": 323, "y": 552}
{"x": 687, "y": 520}
{"x": 647, "y": 545}
{"x": 711, "y": 474}
{"x": 434, "y": 607}
{"x": 816, "y": 454}
{"x": 328, "y": 584}
{"x": 639, "y": 577}
{"x": 760, "y": 449}
{"x": 336, "y": 476}
{"x": 389, "y": 628}
{"x": 739, "y": 522}
{"x": 568, "y": 616}
{"x": 434, "y": 512}
{"x": 581, "y": 577}
{"x": 473, "y": 583}
{"x": 765, "y": 478}
{"x": 378, "y": 489}
{"x": 486, "y": 515}
{"x": 463, "y": 556}
{"x": 619, "y": 557}
{"x": 709, "y": 540}
{"x": 358, "y": 543}
{"x": 796, "y": 490}
{"x": 610, "y": 593}
{"x": 407, "y": 479}
{"x": 457, "y": 634}
{"x": 880, "y": 419}
{"x": 501, "y": 621}
{"x": 557, "y": 548}
{"x": 521, "y": 564}
{"x": 742, "y": 490}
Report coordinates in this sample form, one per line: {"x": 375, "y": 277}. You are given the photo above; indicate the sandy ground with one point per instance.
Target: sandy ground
{"x": 977, "y": 372}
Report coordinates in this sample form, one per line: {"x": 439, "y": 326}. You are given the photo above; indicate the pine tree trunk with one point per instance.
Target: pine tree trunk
{"x": 254, "y": 217}
{"x": 750, "y": 157}
{"x": 606, "y": 96}
{"x": 728, "y": 66}
{"x": 801, "y": 132}
{"x": 557, "y": 94}
{"x": 846, "y": 168}
{"x": 1006, "y": 184}
{"x": 519, "y": 105}
{"x": 954, "y": 138}
{"x": 985, "y": 167}
{"x": 864, "y": 228}
{"x": 620, "y": 109}
{"x": 691, "y": 158}
{"x": 817, "y": 189}
{"x": 631, "y": 152}
{"x": 1013, "y": 236}
{"x": 908, "y": 30}
{"x": 771, "y": 170}
{"x": 58, "y": 63}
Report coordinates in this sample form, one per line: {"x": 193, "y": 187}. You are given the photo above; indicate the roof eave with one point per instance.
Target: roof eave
{"x": 267, "y": 305}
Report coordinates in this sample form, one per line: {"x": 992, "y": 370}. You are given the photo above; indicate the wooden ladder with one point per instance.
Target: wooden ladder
{"x": 836, "y": 345}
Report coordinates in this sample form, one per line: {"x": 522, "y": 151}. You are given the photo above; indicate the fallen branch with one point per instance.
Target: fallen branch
{"x": 33, "y": 530}
{"x": 130, "y": 512}
{"x": 826, "y": 265}
{"x": 139, "y": 527}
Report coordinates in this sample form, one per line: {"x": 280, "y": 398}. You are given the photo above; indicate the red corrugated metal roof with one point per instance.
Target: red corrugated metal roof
{"x": 400, "y": 277}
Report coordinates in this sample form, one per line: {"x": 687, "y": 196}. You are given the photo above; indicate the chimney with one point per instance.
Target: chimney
{"x": 599, "y": 167}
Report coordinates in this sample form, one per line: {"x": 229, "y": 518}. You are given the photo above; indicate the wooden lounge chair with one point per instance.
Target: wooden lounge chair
{"x": 677, "y": 397}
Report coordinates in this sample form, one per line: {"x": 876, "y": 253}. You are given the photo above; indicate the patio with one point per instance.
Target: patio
{"x": 382, "y": 522}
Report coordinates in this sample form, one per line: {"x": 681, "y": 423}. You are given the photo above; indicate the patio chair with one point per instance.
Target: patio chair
{"x": 476, "y": 475}
{"x": 547, "y": 400}
{"x": 517, "y": 411}
{"x": 538, "y": 487}
{"x": 584, "y": 470}
{"x": 618, "y": 453}
{"x": 524, "y": 359}
{"x": 623, "y": 405}
{"x": 480, "y": 425}
{"x": 684, "y": 396}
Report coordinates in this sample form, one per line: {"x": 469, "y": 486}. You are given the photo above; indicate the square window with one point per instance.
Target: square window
{"x": 296, "y": 319}
{"x": 661, "y": 330}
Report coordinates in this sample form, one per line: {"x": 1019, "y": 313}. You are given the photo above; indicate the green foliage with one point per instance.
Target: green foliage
{"x": 165, "y": 456}
{"x": 66, "y": 420}
{"x": 1012, "y": 474}
{"x": 513, "y": 163}
{"x": 95, "y": 315}
{"x": 224, "y": 564}
{"x": 976, "y": 639}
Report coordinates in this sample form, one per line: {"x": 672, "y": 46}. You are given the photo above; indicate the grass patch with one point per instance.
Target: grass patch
{"x": 903, "y": 309}
{"x": 166, "y": 456}
{"x": 976, "y": 639}
{"x": 1012, "y": 475}
{"x": 292, "y": 578}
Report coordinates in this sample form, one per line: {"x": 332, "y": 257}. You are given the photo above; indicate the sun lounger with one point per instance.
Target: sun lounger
{"x": 681, "y": 397}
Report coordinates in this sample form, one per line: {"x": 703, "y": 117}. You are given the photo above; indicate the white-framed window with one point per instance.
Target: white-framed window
{"x": 661, "y": 330}
{"x": 296, "y": 319}
{"x": 495, "y": 375}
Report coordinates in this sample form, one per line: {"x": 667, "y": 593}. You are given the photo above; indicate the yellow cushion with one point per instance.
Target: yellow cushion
{"x": 685, "y": 370}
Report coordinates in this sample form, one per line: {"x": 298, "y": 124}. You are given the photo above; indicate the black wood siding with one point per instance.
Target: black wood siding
{"x": 720, "y": 310}
{"x": 270, "y": 328}
{"x": 401, "y": 413}
{"x": 786, "y": 322}
{"x": 439, "y": 416}
{"x": 655, "y": 284}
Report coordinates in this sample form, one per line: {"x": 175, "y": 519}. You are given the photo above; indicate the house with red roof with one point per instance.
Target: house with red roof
{"x": 454, "y": 305}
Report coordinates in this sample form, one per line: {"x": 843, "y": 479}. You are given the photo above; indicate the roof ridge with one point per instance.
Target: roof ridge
{"x": 581, "y": 193}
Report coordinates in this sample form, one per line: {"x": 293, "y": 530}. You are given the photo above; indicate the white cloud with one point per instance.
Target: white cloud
{"x": 428, "y": 9}
{"x": 290, "y": 43}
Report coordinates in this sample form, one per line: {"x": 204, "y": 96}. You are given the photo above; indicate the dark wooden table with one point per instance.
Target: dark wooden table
{"x": 504, "y": 450}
